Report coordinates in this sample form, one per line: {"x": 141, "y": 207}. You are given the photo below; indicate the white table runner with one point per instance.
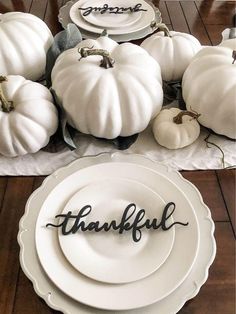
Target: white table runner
{"x": 194, "y": 157}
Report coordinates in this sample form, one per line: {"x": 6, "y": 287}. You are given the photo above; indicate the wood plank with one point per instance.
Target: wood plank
{"x": 164, "y": 12}
{"x": 25, "y": 305}
{"x": 217, "y": 294}
{"x": 39, "y": 8}
{"x": 16, "y": 195}
{"x": 196, "y": 26}
{"x": 216, "y": 12}
{"x": 227, "y": 180}
{"x": 177, "y": 16}
{"x": 215, "y": 31}
{"x": 25, "y": 287}
{"x": 15, "y": 5}
{"x": 207, "y": 183}
{"x": 3, "y": 184}
{"x": 51, "y": 16}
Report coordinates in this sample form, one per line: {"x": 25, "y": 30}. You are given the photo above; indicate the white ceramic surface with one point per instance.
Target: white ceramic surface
{"x": 142, "y": 23}
{"x": 59, "y": 301}
{"x": 112, "y": 257}
{"x": 104, "y": 296}
{"x": 109, "y": 20}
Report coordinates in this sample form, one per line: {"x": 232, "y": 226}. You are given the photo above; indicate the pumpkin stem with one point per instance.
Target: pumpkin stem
{"x": 7, "y": 106}
{"x": 234, "y": 56}
{"x": 178, "y": 119}
{"x": 107, "y": 62}
{"x": 163, "y": 28}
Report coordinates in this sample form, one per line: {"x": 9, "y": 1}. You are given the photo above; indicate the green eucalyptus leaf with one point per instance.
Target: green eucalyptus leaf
{"x": 63, "y": 41}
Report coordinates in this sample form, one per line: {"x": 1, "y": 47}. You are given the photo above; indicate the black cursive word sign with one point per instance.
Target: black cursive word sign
{"x": 123, "y": 225}
{"x": 112, "y": 10}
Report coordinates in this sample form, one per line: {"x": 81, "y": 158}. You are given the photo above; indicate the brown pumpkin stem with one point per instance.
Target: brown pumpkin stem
{"x": 179, "y": 118}
{"x": 234, "y": 56}
{"x": 7, "y": 106}
{"x": 163, "y": 28}
{"x": 107, "y": 62}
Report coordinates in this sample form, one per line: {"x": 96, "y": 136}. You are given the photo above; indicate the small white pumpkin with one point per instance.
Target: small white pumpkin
{"x": 229, "y": 43}
{"x": 25, "y": 40}
{"x": 28, "y": 116}
{"x": 172, "y": 50}
{"x": 174, "y": 128}
{"x": 116, "y": 97}
{"x": 209, "y": 88}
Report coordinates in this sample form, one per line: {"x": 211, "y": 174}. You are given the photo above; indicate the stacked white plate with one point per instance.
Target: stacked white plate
{"x": 120, "y": 27}
{"x": 95, "y": 272}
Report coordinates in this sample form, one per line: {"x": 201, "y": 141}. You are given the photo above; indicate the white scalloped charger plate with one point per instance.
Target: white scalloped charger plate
{"x": 118, "y": 297}
{"x": 118, "y": 258}
{"x": 58, "y": 300}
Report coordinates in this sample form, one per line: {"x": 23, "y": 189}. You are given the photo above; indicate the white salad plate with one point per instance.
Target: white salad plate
{"x": 141, "y": 23}
{"x": 56, "y": 299}
{"x": 106, "y": 296}
{"x": 118, "y": 258}
{"x": 110, "y": 20}
{"x": 64, "y": 18}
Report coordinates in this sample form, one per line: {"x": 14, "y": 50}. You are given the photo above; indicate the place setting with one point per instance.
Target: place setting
{"x": 121, "y": 20}
{"x": 141, "y": 222}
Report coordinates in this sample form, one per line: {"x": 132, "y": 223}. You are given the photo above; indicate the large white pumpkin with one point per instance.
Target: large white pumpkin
{"x": 173, "y": 51}
{"x": 108, "y": 102}
{"x": 209, "y": 88}
{"x": 28, "y": 116}
{"x": 24, "y": 42}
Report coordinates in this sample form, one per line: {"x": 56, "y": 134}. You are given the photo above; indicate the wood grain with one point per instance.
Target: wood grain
{"x": 208, "y": 186}
{"x": 17, "y": 192}
{"x": 227, "y": 183}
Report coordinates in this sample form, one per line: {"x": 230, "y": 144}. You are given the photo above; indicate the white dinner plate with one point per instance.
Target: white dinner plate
{"x": 56, "y": 299}
{"x": 112, "y": 257}
{"x": 110, "y": 20}
{"x": 147, "y": 17}
{"x": 131, "y": 295}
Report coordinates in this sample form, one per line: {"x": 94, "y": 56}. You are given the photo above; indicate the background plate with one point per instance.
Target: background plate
{"x": 144, "y": 22}
{"x": 65, "y": 19}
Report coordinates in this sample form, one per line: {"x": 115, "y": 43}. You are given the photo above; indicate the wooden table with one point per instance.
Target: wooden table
{"x": 205, "y": 20}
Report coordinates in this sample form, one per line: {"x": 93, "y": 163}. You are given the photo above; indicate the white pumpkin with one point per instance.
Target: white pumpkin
{"x": 119, "y": 100}
{"x": 173, "y": 51}
{"x": 174, "y": 128}
{"x": 229, "y": 43}
{"x": 24, "y": 40}
{"x": 28, "y": 116}
{"x": 209, "y": 88}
